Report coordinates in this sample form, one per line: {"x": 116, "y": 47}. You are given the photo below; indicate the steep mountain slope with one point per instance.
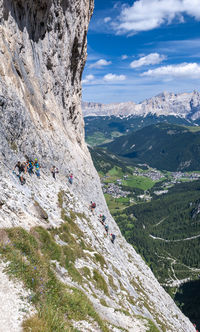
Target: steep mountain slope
{"x": 50, "y": 240}
{"x": 163, "y": 146}
{"x": 185, "y": 105}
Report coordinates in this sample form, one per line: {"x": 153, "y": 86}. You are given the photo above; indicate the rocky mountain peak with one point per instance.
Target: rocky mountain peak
{"x": 186, "y": 105}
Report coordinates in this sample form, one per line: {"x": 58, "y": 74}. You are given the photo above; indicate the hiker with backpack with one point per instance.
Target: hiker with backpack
{"x": 106, "y": 228}
{"x": 37, "y": 168}
{"x": 30, "y": 167}
{"x": 21, "y": 169}
{"x": 92, "y": 206}
{"x": 102, "y": 219}
{"x": 113, "y": 237}
{"x": 70, "y": 178}
{"x": 54, "y": 170}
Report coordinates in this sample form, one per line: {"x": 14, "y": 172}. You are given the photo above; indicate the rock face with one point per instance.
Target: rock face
{"x": 42, "y": 55}
{"x": 185, "y": 105}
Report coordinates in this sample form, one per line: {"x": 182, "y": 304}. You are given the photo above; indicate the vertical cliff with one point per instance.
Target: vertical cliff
{"x": 49, "y": 239}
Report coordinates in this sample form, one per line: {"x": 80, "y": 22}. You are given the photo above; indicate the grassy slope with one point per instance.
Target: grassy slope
{"x": 30, "y": 256}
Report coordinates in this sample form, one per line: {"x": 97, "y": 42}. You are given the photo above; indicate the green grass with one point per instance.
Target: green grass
{"x": 117, "y": 204}
{"x": 116, "y": 172}
{"x": 111, "y": 283}
{"x": 60, "y": 198}
{"x": 103, "y": 302}
{"x": 152, "y": 327}
{"x": 85, "y": 271}
{"x": 140, "y": 182}
{"x": 30, "y": 255}
{"x": 99, "y": 258}
{"x": 193, "y": 129}
{"x": 97, "y": 138}
{"x": 100, "y": 282}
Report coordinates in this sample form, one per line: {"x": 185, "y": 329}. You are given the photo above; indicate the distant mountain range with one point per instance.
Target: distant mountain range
{"x": 163, "y": 146}
{"x": 184, "y": 105}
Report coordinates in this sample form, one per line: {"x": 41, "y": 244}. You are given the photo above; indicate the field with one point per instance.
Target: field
{"x": 117, "y": 204}
{"x": 97, "y": 138}
{"x": 140, "y": 182}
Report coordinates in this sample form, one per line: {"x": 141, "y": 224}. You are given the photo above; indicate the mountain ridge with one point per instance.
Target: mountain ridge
{"x": 185, "y": 105}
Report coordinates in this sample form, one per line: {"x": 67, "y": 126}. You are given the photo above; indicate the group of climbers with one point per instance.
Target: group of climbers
{"x": 102, "y": 219}
{"x": 29, "y": 167}
{"x": 33, "y": 167}
{"x": 54, "y": 171}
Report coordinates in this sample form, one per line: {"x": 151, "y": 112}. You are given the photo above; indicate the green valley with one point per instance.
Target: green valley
{"x": 104, "y": 129}
{"x": 163, "y": 146}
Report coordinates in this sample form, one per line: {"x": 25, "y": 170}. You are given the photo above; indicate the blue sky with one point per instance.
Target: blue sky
{"x": 137, "y": 49}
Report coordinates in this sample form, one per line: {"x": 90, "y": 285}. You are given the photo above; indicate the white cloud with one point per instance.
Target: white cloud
{"x": 151, "y": 59}
{"x": 100, "y": 63}
{"x": 146, "y": 15}
{"x": 107, "y": 19}
{"x": 183, "y": 70}
{"x": 88, "y": 79}
{"x": 124, "y": 57}
{"x": 112, "y": 77}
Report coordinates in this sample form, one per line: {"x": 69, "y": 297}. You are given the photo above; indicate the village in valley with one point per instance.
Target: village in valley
{"x": 119, "y": 185}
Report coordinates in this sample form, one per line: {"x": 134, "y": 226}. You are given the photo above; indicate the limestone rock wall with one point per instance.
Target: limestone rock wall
{"x": 42, "y": 56}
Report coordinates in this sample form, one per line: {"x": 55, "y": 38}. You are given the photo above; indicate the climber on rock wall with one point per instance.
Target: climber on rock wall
{"x": 70, "y": 178}
{"x": 106, "y": 228}
{"x": 21, "y": 169}
{"x": 92, "y": 206}
{"x": 37, "y": 168}
{"x": 54, "y": 170}
{"x": 112, "y": 238}
{"x": 102, "y": 219}
{"x": 30, "y": 167}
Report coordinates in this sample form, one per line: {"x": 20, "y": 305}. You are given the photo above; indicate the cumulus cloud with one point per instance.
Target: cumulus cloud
{"x": 146, "y": 15}
{"x": 112, "y": 77}
{"x": 124, "y": 57}
{"x": 107, "y": 19}
{"x": 184, "y": 70}
{"x": 151, "y": 59}
{"x": 88, "y": 79}
{"x": 100, "y": 63}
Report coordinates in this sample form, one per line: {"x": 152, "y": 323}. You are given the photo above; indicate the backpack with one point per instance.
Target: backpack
{"x": 93, "y": 205}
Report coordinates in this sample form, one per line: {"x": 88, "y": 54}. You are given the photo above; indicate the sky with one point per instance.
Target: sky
{"x": 138, "y": 49}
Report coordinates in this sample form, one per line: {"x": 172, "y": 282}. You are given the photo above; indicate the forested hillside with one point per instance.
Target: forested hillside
{"x": 102, "y": 129}
{"x": 163, "y": 146}
{"x": 166, "y": 231}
